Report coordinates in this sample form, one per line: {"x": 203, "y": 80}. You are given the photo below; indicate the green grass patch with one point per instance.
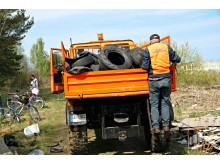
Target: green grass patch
{"x": 197, "y": 78}
{"x": 51, "y": 115}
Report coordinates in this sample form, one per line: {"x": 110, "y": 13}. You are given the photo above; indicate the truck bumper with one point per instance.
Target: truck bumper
{"x": 122, "y": 132}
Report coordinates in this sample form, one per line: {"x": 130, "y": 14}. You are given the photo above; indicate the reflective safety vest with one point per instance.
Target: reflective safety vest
{"x": 160, "y": 60}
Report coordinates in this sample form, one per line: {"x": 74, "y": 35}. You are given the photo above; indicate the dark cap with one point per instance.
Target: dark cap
{"x": 154, "y": 36}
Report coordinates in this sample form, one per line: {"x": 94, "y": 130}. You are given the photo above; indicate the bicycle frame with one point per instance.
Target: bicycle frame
{"x": 15, "y": 109}
{"x": 31, "y": 99}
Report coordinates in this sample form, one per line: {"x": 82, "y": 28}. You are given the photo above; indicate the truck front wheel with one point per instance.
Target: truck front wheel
{"x": 78, "y": 140}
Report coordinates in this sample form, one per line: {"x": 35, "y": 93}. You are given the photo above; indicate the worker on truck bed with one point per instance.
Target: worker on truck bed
{"x": 156, "y": 61}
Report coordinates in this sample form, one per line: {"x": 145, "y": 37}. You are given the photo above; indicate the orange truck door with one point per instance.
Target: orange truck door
{"x": 56, "y": 70}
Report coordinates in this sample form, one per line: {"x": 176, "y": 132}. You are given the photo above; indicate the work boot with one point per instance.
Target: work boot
{"x": 156, "y": 130}
{"x": 166, "y": 128}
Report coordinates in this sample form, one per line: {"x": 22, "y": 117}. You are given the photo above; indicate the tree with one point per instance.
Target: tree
{"x": 40, "y": 59}
{"x": 13, "y": 26}
{"x": 190, "y": 69}
{"x": 191, "y": 59}
{"x": 23, "y": 73}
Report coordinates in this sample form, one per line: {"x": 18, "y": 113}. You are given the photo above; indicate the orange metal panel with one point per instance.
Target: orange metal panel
{"x": 106, "y": 83}
{"x": 112, "y": 83}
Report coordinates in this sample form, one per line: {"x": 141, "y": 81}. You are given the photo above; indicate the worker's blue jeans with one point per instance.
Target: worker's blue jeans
{"x": 159, "y": 100}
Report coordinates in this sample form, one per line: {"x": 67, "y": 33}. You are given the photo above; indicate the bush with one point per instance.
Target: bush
{"x": 198, "y": 78}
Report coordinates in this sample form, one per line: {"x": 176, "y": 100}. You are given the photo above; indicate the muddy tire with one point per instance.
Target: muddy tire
{"x": 165, "y": 141}
{"x": 160, "y": 142}
{"x": 95, "y": 67}
{"x": 114, "y": 58}
{"x": 137, "y": 55}
{"x": 86, "y": 60}
{"x": 78, "y": 140}
{"x": 155, "y": 143}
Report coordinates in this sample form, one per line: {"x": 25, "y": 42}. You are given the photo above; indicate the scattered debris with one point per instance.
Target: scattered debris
{"x": 53, "y": 144}
{"x": 203, "y": 132}
{"x": 36, "y": 152}
{"x": 10, "y": 140}
{"x": 184, "y": 141}
{"x": 205, "y": 121}
{"x": 55, "y": 147}
{"x": 217, "y": 109}
{"x": 206, "y": 98}
{"x": 56, "y": 150}
{"x": 32, "y": 130}
{"x": 197, "y": 147}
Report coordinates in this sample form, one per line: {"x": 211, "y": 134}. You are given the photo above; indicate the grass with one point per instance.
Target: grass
{"x": 51, "y": 116}
{"x": 53, "y": 129}
{"x": 197, "y": 78}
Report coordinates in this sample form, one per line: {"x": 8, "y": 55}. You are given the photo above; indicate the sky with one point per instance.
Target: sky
{"x": 199, "y": 27}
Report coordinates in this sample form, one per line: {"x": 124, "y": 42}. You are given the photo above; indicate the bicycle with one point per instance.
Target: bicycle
{"x": 15, "y": 109}
{"x": 34, "y": 100}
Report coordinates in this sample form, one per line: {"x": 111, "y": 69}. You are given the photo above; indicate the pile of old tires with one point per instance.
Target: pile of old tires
{"x": 110, "y": 58}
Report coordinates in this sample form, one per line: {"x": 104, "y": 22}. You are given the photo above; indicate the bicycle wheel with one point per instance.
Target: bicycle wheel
{"x": 37, "y": 102}
{"x": 33, "y": 113}
{"x": 12, "y": 101}
{"x": 9, "y": 116}
{"x": 13, "y": 112}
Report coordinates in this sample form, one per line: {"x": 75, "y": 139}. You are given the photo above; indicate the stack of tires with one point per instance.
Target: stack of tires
{"x": 110, "y": 58}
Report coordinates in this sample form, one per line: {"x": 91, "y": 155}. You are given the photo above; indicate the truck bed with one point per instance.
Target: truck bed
{"x": 102, "y": 84}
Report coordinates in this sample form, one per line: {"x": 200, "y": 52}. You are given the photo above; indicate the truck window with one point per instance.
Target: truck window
{"x": 57, "y": 60}
{"x": 92, "y": 50}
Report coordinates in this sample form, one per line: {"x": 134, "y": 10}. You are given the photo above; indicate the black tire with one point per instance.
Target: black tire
{"x": 156, "y": 142}
{"x": 86, "y": 61}
{"x": 78, "y": 140}
{"x": 67, "y": 114}
{"x": 165, "y": 141}
{"x": 87, "y": 53}
{"x": 148, "y": 136}
{"x": 137, "y": 55}
{"x": 146, "y": 118}
{"x": 160, "y": 142}
{"x": 79, "y": 70}
{"x": 114, "y": 58}
{"x": 95, "y": 67}
{"x": 96, "y": 59}
{"x": 33, "y": 113}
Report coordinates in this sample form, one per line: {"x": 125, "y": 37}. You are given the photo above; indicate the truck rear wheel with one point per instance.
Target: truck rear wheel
{"x": 160, "y": 142}
{"x": 155, "y": 143}
{"x": 78, "y": 140}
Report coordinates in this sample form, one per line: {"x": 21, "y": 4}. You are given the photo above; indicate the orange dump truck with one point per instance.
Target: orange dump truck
{"x": 113, "y": 99}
